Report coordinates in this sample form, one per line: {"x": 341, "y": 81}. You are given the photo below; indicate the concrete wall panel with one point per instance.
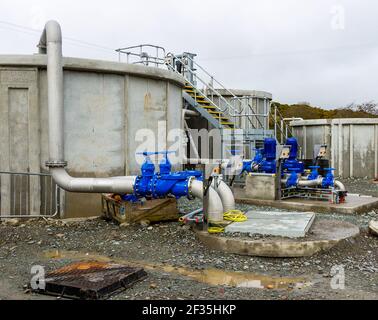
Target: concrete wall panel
{"x": 104, "y": 109}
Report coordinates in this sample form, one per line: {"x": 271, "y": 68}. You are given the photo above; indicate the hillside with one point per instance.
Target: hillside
{"x": 309, "y": 112}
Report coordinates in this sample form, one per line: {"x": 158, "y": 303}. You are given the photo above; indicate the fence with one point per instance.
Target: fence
{"x": 28, "y": 195}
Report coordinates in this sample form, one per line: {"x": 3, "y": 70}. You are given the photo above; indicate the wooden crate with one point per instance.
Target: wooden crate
{"x": 152, "y": 210}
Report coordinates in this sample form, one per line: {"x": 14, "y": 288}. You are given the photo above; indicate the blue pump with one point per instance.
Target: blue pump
{"x": 157, "y": 185}
{"x": 292, "y": 163}
{"x": 268, "y": 165}
{"x": 248, "y": 165}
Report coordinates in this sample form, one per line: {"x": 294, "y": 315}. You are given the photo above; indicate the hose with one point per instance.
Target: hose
{"x": 231, "y": 215}
{"x": 235, "y": 215}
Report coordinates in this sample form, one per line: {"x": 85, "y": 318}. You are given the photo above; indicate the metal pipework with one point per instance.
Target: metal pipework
{"x": 214, "y": 207}
{"x": 315, "y": 183}
{"x": 339, "y": 185}
{"x": 51, "y": 43}
{"x": 225, "y": 194}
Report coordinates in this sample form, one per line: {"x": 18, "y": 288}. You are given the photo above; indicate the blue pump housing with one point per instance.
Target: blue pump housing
{"x": 292, "y": 163}
{"x": 268, "y": 165}
{"x": 157, "y": 185}
{"x": 256, "y": 161}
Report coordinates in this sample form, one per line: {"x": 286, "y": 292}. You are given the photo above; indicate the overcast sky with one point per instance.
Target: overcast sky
{"x": 321, "y": 51}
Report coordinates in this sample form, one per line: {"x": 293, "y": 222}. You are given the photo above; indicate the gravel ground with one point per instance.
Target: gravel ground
{"x": 170, "y": 246}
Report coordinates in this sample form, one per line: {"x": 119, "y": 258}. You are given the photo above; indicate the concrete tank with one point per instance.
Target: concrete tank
{"x": 105, "y": 103}
{"x": 258, "y": 101}
{"x": 352, "y": 144}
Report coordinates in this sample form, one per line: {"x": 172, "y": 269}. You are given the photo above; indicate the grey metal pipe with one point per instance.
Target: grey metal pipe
{"x": 339, "y": 185}
{"x": 214, "y": 208}
{"x": 225, "y": 194}
{"x": 51, "y": 43}
{"x": 310, "y": 183}
{"x": 93, "y": 185}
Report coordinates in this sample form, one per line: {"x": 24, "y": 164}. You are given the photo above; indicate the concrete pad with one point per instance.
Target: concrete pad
{"x": 373, "y": 227}
{"x": 283, "y": 224}
{"x": 324, "y": 234}
{"x": 354, "y": 203}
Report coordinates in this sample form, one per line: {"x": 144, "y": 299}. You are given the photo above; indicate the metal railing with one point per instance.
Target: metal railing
{"x": 195, "y": 73}
{"x": 146, "y": 54}
{"x": 249, "y": 116}
{"x": 282, "y": 129}
{"x": 28, "y": 195}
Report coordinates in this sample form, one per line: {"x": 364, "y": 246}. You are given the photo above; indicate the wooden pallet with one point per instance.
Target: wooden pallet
{"x": 152, "y": 210}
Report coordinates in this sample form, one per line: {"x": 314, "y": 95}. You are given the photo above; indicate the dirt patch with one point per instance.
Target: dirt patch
{"x": 169, "y": 244}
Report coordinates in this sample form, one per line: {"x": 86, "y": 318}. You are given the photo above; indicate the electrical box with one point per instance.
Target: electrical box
{"x": 283, "y": 151}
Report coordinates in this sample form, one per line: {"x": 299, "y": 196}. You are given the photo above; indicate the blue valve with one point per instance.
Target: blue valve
{"x": 292, "y": 181}
{"x": 328, "y": 180}
{"x": 165, "y": 183}
{"x": 314, "y": 172}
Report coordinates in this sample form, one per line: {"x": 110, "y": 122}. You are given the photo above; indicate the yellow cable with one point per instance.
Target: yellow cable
{"x": 235, "y": 215}
{"x": 215, "y": 229}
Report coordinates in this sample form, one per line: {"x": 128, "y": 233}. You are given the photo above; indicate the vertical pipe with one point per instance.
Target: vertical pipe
{"x": 351, "y": 153}
{"x": 376, "y": 152}
{"x": 340, "y": 144}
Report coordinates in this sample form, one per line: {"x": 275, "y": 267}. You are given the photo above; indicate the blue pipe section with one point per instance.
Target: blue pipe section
{"x": 157, "y": 185}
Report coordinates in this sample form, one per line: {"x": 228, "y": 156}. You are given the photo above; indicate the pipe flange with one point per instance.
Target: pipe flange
{"x": 56, "y": 164}
{"x": 190, "y": 195}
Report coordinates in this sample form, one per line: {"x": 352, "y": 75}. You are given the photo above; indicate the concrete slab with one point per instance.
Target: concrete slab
{"x": 373, "y": 227}
{"x": 354, "y": 203}
{"x": 283, "y": 224}
{"x": 324, "y": 234}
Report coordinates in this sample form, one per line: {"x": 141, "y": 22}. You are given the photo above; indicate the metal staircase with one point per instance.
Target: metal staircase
{"x": 217, "y": 104}
{"x": 206, "y": 108}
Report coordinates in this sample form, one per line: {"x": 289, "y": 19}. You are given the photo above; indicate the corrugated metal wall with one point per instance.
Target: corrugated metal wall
{"x": 352, "y": 144}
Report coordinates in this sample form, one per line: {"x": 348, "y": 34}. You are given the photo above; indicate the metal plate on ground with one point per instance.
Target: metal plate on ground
{"x": 272, "y": 223}
{"x": 91, "y": 280}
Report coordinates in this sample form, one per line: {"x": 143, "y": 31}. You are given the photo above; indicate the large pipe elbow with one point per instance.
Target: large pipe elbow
{"x": 225, "y": 194}
{"x": 214, "y": 208}
{"x": 339, "y": 185}
{"x": 51, "y": 33}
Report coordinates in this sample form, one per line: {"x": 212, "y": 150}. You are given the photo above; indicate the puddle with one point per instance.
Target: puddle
{"x": 209, "y": 276}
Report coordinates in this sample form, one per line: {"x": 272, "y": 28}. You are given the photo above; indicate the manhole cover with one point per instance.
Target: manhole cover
{"x": 91, "y": 280}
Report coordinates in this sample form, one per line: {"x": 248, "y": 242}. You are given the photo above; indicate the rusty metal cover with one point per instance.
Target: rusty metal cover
{"x": 91, "y": 280}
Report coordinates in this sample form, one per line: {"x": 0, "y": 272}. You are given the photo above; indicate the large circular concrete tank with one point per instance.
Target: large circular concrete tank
{"x": 247, "y": 102}
{"x": 352, "y": 144}
{"x": 105, "y": 106}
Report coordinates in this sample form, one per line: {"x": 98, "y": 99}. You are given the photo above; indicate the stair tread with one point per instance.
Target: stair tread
{"x": 208, "y": 107}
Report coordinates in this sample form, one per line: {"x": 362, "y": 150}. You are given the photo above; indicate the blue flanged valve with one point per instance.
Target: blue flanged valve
{"x": 329, "y": 179}
{"x": 292, "y": 181}
{"x": 164, "y": 183}
{"x": 314, "y": 172}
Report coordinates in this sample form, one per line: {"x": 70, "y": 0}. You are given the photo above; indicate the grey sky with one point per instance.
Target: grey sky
{"x": 300, "y": 50}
